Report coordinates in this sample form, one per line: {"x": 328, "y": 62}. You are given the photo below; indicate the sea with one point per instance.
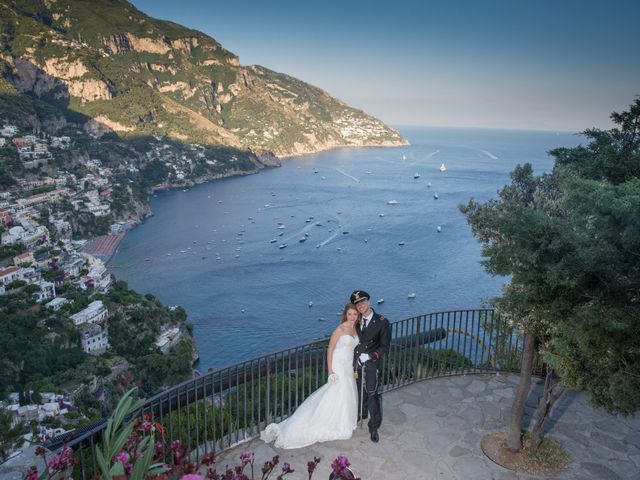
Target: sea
{"x": 267, "y": 261}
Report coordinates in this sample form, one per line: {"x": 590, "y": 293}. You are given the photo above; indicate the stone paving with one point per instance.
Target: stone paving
{"x": 432, "y": 430}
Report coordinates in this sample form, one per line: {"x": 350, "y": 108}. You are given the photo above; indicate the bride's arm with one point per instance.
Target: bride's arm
{"x": 332, "y": 345}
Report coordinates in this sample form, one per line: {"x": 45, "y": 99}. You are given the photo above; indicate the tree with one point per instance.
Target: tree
{"x": 570, "y": 240}
{"x": 10, "y": 437}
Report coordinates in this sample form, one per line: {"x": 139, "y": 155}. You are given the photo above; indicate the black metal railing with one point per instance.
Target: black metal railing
{"x": 221, "y": 408}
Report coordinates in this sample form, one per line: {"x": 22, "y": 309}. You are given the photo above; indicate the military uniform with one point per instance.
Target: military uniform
{"x": 374, "y": 341}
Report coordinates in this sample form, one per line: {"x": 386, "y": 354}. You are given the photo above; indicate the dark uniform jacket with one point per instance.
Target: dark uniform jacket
{"x": 374, "y": 340}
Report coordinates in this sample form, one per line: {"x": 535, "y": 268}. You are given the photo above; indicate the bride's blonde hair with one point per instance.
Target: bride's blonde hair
{"x": 347, "y": 307}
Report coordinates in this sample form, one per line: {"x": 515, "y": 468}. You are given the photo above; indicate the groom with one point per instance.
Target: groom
{"x": 374, "y": 334}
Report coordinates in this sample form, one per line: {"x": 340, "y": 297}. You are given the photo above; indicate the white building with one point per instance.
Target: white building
{"x": 94, "y": 339}
{"x": 10, "y": 274}
{"x": 9, "y": 131}
{"x": 98, "y": 275}
{"x": 95, "y": 312}
{"x": 57, "y": 303}
{"x": 28, "y": 237}
{"x": 168, "y": 339}
{"x": 47, "y": 291}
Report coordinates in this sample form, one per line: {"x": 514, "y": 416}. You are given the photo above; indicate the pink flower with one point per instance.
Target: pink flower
{"x": 122, "y": 457}
{"x": 191, "y": 476}
{"x": 340, "y": 464}
{"x": 246, "y": 457}
{"x": 32, "y": 473}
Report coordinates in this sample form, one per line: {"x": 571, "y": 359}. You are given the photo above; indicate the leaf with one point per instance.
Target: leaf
{"x": 157, "y": 469}
{"x": 142, "y": 464}
{"x": 106, "y": 472}
{"x": 119, "y": 442}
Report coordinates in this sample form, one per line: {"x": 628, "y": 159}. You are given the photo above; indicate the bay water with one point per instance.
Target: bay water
{"x": 267, "y": 261}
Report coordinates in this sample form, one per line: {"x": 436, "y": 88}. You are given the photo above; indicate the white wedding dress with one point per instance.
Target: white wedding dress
{"x": 329, "y": 413}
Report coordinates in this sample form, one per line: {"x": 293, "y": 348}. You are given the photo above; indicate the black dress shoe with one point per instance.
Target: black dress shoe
{"x": 374, "y": 436}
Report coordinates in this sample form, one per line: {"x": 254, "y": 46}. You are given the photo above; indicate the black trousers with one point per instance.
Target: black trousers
{"x": 370, "y": 400}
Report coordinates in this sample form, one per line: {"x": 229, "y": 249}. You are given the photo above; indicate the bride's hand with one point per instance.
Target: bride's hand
{"x": 333, "y": 378}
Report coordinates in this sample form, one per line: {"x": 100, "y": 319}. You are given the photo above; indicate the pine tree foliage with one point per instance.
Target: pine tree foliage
{"x": 570, "y": 241}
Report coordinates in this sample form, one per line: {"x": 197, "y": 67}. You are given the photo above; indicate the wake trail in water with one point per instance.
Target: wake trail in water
{"x": 347, "y": 175}
{"x": 432, "y": 154}
{"x": 489, "y": 154}
{"x": 323, "y": 243}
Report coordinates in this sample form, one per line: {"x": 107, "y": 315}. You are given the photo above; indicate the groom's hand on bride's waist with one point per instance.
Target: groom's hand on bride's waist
{"x": 333, "y": 378}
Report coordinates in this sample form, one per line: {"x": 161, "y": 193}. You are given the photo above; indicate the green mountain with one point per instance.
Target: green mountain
{"x": 106, "y": 66}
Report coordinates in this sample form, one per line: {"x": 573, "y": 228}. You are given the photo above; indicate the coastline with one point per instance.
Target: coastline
{"x": 272, "y": 161}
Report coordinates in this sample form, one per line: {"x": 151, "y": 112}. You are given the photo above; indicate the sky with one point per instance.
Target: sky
{"x": 559, "y": 65}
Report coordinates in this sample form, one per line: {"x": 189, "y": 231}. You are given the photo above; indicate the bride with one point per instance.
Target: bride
{"x": 329, "y": 413}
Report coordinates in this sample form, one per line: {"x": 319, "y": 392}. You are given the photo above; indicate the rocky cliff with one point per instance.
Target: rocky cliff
{"x": 127, "y": 73}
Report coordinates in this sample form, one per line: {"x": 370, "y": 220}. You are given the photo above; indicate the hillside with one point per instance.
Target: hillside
{"x": 109, "y": 68}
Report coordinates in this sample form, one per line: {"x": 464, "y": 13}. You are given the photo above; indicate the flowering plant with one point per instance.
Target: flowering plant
{"x": 340, "y": 469}
{"x": 129, "y": 451}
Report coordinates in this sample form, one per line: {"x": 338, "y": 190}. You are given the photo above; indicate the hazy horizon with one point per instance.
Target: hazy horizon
{"x": 544, "y": 65}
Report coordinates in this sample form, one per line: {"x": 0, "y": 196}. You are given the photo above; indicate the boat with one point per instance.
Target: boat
{"x": 392, "y": 202}
{"x": 416, "y": 175}
{"x": 273, "y": 240}
{"x": 428, "y": 184}
{"x": 310, "y": 304}
{"x": 401, "y": 243}
{"x": 380, "y": 301}
{"x": 381, "y": 215}
{"x": 302, "y": 239}
{"x": 443, "y": 167}
{"x": 284, "y": 245}
{"x": 435, "y": 195}
{"x": 280, "y": 227}
{"x": 345, "y": 232}
{"x": 404, "y": 157}
{"x": 439, "y": 228}
{"x": 411, "y": 295}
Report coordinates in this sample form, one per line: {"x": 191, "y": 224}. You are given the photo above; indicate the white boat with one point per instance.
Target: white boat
{"x": 401, "y": 243}
{"x": 310, "y": 304}
{"x": 428, "y": 184}
{"x": 381, "y": 215}
{"x": 273, "y": 240}
{"x": 416, "y": 175}
{"x": 392, "y": 202}
{"x": 284, "y": 245}
{"x": 404, "y": 157}
{"x": 435, "y": 195}
{"x": 302, "y": 239}
{"x": 380, "y": 301}
{"x": 411, "y": 295}
{"x": 280, "y": 227}
{"x": 443, "y": 167}
{"x": 439, "y": 228}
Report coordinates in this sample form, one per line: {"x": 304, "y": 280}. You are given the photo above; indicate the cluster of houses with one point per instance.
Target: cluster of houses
{"x": 50, "y": 405}
{"x": 33, "y": 150}
{"x": 91, "y": 193}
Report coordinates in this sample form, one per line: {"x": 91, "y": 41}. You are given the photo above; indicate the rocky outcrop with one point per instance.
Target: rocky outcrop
{"x": 64, "y": 68}
{"x": 89, "y": 90}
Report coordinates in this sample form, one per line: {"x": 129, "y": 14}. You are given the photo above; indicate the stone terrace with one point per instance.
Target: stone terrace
{"x": 432, "y": 430}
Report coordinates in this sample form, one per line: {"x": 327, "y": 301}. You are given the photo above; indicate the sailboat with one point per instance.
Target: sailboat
{"x": 416, "y": 175}
{"x": 443, "y": 167}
